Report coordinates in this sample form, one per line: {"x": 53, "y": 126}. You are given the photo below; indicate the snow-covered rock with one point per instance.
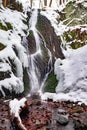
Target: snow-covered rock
{"x": 13, "y": 57}
{"x": 15, "y": 110}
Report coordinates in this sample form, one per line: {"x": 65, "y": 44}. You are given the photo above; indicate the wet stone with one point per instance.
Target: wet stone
{"x": 62, "y": 119}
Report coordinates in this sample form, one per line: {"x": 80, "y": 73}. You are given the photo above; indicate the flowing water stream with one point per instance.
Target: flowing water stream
{"x": 40, "y": 62}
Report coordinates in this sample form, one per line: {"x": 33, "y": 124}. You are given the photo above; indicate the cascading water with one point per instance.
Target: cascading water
{"x": 40, "y": 62}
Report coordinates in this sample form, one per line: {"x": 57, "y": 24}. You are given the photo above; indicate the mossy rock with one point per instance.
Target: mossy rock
{"x": 65, "y": 14}
{"x": 9, "y": 26}
{"x": 25, "y": 21}
{"x": 2, "y": 27}
{"x": 74, "y": 14}
{"x": 66, "y": 37}
{"x": 26, "y": 81}
{"x": 51, "y": 39}
{"x": 51, "y": 83}
{"x": 76, "y": 45}
{"x": 31, "y": 42}
{"x": 2, "y": 46}
{"x": 31, "y": 34}
{"x": 45, "y": 53}
{"x": 75, "y": 38}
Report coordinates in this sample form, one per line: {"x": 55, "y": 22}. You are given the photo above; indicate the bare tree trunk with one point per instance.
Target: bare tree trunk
{"x": 60, "y": 2}
{"x": 50, "y": 3}
{"x": 63, "y": 1}
{"x": 45, "y": 2}
{"x": 4, "y": 3}
{"x": 31, "y": 1}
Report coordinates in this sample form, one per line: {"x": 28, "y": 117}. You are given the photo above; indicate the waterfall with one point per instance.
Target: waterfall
{"x": 40, "y": 62}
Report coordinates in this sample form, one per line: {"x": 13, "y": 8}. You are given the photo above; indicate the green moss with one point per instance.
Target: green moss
{"x": 1, "y": 46}
{"x": 40, "y": 27}
{"x": 26, "y": 89}
{"x": 2, "y": 27}
{"x": 75, "y": 38}
{"x": 26, "y": 21}
{"x": 39, "y": 24}
{"x": 9, "y": 26}
{"x": 73, "y": 34}
{"x": 65, "y": 14}
{"x": 26, "y": 81}
{"x": 31, "y": 34}
{"x": 44, "y": 53}
{"x": 76, "y": 45}
{"x": 66, "y": 36}
{"x": 74, "y": 14}
{"x": 51, "y": 83}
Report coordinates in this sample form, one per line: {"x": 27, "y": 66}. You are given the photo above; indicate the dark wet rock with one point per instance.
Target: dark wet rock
{"x": 31, "y": 42}
{"x": 50, "y": 100}
{"x": 13, "y": 66}
{"x": 26, "y": 81}
{"x": 35, "y": 96}
{"x": 62, "y": 119}
{"x": 52, "y": 40}
{"x": 4, "y": 75}
{"x": 2, "y": 46}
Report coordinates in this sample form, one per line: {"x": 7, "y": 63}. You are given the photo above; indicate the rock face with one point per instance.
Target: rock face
{"x": 31, "y": 42}
{"x": 52, "y": 40}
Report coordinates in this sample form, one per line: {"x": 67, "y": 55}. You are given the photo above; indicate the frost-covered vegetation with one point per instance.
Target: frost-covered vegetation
{"x": 12, "y": 54}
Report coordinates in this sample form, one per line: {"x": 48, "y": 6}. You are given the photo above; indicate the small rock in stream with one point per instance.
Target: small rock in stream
{"x": 62, "y": 119}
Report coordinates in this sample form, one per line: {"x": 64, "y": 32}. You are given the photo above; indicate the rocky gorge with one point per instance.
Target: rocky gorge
{"x": 42, "y": 44}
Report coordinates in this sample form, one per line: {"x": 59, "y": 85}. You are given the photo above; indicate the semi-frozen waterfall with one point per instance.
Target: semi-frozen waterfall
{"x": 40, "y": 64}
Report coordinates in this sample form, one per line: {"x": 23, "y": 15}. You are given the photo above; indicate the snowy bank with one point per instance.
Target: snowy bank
{"x": 13, "y": 56}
